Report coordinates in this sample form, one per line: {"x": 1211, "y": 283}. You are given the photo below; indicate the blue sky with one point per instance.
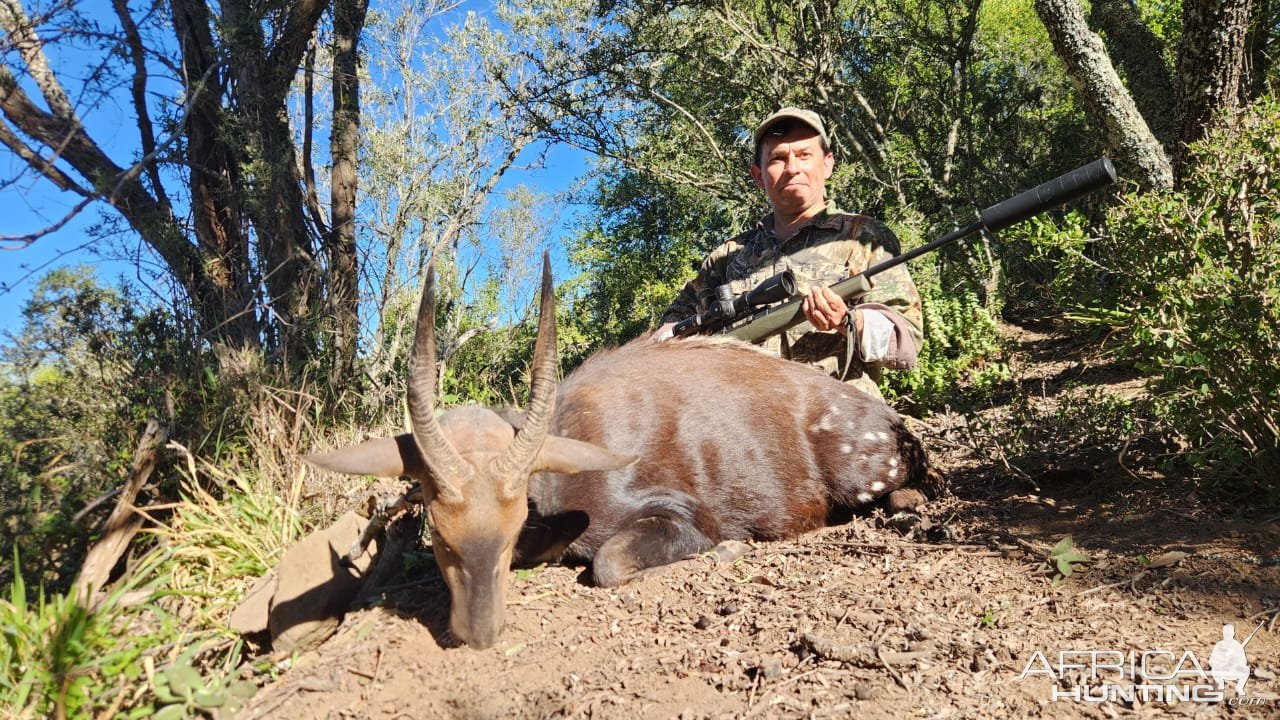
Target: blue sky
{"x": 31, "y": 203}
{"x": 28, "y": 208}
{"x": 35, "y": 205}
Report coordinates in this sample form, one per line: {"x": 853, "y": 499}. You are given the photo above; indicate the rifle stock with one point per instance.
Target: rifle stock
{"x": 789, "y": 314}
{"x": 1062, "y": 189}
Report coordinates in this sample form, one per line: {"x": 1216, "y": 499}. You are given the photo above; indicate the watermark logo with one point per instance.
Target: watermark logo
{"x": 1108, "y": 675}
{"x": 1227, "y": 662}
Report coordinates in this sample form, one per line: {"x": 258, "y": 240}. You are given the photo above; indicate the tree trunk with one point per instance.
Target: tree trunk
{"x": 1210, "y": 65}
{"x": 264, "y": 73}
{"x": 221, "y": 229}
{"x": 1139, "y": 54}
{"x": 246, "y": 255}
{"x": 1109, "y": 104}
{"x": 340, "y": 246}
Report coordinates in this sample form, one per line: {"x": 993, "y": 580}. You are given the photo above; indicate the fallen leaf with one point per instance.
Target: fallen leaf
{"x": 1167, "y": 559}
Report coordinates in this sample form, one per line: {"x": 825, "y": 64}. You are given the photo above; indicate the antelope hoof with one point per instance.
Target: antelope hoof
{"x": 906, "y": 500}
{"x": 729, "y": 551}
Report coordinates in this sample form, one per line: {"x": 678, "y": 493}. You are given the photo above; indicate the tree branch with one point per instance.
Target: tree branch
{"x": 308, "y": 115}
{"x": 14, "y": 19}
{"x": 139, "y": 89}
{"x": 1109, "y": 103}
{"x": 289, "y": 48}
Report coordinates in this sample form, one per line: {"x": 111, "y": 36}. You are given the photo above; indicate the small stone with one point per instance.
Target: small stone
{"x": 771, "y": 668}
{"x": 703, "y": 622}
{"x": 862, "y": 691}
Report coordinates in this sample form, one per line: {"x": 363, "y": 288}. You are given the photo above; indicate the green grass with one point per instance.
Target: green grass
{"x": 63, "y": 659}
{"x": 157, "y": 645}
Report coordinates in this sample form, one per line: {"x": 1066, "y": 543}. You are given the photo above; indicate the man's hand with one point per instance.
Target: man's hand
{"x": 826, "y": 310}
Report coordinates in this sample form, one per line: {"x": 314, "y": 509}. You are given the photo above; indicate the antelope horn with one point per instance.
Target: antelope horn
{"x": 447, "y": 467}
{"x": 512, "y": 468}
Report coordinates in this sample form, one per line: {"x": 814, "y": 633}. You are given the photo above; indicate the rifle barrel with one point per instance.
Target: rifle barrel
{"x": 1062, "y": 189}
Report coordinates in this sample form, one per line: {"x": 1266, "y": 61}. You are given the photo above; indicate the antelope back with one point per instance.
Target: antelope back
{"x": 765, "y": 447}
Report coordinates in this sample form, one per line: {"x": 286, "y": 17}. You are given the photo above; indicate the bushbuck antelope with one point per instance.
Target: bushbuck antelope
{"x": 648, "y": 454}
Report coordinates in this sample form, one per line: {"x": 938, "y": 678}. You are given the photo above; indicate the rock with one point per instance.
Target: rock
{"x": 771, "y": 668}
{"x": 313, "y": 587}
{"x": 1168, "y": 559}
{"x": 250, "y": 616}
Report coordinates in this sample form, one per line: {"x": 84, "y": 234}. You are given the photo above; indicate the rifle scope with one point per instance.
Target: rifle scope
{"x": 729, "y": 307}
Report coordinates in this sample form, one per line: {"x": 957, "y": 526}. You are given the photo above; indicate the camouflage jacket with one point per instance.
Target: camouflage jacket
{"x": 833, "y": 246}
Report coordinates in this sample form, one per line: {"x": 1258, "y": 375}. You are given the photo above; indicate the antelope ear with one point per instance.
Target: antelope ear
{"x": 567, "y": 456}
{"x": 383, "y": 457}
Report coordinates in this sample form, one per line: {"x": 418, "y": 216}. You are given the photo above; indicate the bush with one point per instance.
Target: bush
{"x": 960, "y": 346}
{"x": 1194, "y": 283}
{"x": 961, "y": 331}
{"x": 79, "y": 381}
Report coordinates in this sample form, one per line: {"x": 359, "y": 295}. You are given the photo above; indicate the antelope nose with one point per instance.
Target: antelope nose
{"x": 484, "y": 638}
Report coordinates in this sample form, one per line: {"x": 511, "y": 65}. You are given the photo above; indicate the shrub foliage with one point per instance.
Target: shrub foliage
{"x": 1194, "y": 281}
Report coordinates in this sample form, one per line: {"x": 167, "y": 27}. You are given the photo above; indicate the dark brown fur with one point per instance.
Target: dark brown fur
{"x": 733, "y": 444}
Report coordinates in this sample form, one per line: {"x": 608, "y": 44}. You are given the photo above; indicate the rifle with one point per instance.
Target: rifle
{"x": 729, "y": 309}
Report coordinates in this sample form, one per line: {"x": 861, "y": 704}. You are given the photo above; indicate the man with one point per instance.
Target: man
{"x": 821, "y": 245}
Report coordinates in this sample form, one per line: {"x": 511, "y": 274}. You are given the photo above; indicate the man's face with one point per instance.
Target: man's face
{"x": 793, "y": 172}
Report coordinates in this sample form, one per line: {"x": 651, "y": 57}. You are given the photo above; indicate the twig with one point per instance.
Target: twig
{"x": 880, "y": 654}
{"x": 1109, "y": 586}
{"x": 1273, "y": 612}
{"x": 93, "y": 504}
{"x": 1120, "y": 459}
{"x": 384, "y": 509}
{"x": 981, "y": 550}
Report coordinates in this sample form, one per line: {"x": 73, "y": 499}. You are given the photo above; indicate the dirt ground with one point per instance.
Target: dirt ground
{"x": 953, "y": 617}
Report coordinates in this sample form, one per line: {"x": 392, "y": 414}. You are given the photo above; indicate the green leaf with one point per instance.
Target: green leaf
{"x": 164, "y": 694}
{"x": 1063, "y": 546}
{"x": 183, "y": 679}
{"x": 1073, "y": 556}
{"x": 243, "y": 689}
{"x": 207, "y": 699}
{"x": 171, "y": 712}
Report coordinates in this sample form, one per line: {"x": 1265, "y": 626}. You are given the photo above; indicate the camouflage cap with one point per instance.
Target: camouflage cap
{"x": 807, "y": 117}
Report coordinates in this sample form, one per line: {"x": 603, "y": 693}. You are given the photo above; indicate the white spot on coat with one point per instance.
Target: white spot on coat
{"x": 865, "y": 497}
{"x": 828, "y": 420}
{"x": 877, "y": 486}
